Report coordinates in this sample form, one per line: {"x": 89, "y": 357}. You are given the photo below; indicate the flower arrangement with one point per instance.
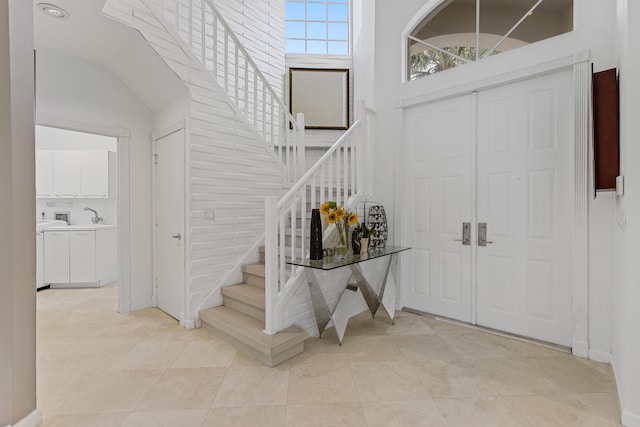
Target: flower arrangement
{"x": 335, "y": 214}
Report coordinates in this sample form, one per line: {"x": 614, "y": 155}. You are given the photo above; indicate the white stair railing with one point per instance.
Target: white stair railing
{"x": 339, "y": 174}
{"x": 211, "y": 40}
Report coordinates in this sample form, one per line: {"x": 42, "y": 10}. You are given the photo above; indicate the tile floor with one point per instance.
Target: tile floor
{"x": 99, "y": 368}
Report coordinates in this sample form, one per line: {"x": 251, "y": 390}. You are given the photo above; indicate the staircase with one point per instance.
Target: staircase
{"x": 240, "y": 320}
{"x": 236, "y": 115}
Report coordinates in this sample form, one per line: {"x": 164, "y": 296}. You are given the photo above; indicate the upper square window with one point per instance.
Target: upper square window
{"x": 461, "y": 31}
{"x": 317, "y": 27}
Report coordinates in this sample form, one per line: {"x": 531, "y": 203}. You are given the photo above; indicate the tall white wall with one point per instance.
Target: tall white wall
{"x": 75, "y": 93}
{"x": 626, "y": 289}
{"x": 594, "y": 22}
{"x": 17, "y": 205}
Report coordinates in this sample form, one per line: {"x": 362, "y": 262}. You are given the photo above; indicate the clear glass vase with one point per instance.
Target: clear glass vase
{"x": 340, "y": 252}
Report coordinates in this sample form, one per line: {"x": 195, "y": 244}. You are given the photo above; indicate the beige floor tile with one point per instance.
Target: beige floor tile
{"x": 206, "y": 354}
{"x": 385, "y": 381}
{"x": 408, "y": 325}
{"x": 110, "y": 391}
{"x": 562, "y": 410}
{"x": 181, "y": 418}
{"x": 373, "y": 349}
{"x": 189, "y": 388}
{"x": 508, "y": 376}
{"x": 253, "y": 386}
{"x": 321, "y": 383}
{"x": 415, "y": 413}
{"x": 87, "y": 420}
{"x": 481, "y": 412}
{"x": 420, "y": 349}
{"x": 570, "y": 374}
{"x": 326, "y": 415}
{"x": 150, "y": 355}
{"x": 604, "y": 405}
{"x": 94, "y": 369}
{"x": 256, "y": 416}
{"x": 451, "y": 379}
{"x": 471, "y": 346}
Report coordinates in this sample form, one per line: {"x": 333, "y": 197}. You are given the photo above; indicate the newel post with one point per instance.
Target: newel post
{"x": 271, "y": 222}
{"x": 301, "y": 167}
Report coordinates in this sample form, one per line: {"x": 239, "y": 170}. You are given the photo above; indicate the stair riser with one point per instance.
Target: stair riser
{"x": 252, "y": 279}
{"x": 245, "y": 308}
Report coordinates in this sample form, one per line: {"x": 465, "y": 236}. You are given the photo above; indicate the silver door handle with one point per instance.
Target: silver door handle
{"x": 482, "y": 234}
{"x": 466, "y": 234}
{"x": 177, "y": 236}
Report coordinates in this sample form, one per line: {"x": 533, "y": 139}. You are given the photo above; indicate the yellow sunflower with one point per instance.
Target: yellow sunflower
{"x": 340, "y": 212}
{"x": 352, "y": 219}
{"x": 324, "y": 208}
{"x": 332, "y": 218}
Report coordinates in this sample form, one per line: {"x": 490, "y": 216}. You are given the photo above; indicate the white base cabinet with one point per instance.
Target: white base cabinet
{"x": 80, "y": 258}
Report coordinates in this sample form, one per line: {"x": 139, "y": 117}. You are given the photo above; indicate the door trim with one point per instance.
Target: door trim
{"x": 581, "y": 65}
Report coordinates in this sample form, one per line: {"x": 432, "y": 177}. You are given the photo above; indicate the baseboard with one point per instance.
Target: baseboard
{"x": 34, "y": 419}
{"x": 580, "y": 349}
{"x": 186, "y": 323}
{"x": 141, "y": 305}
{"x": 630, "y": 419}
{"x": 600, "y": 356}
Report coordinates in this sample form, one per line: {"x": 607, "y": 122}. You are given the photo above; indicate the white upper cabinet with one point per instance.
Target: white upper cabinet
{"x": 67, "y": 173}
{"x": 95, "y": 174}
{"x": 44, "y": 173}
{"x": 76, "y": 173}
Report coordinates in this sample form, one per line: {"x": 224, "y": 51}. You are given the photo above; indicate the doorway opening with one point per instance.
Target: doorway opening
{"x": 76, "y": 209}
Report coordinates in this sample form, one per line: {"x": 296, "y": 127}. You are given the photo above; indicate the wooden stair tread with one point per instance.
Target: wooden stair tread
{"x": 248, "y": 294}
{"x": 250, "y": 331}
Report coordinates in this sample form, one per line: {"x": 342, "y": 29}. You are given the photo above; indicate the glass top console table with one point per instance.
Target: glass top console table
{"x": 374, "y": 299}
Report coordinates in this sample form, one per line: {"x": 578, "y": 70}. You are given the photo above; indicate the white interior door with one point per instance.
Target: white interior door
{"x": 511, "y": 169}
{"x": 438, "y": 188}
{"x": 169, "y": 230}
{"x": 525, "y": 196}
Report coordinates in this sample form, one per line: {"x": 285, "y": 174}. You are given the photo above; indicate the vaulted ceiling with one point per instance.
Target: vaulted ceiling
{"x": 88, "y": 35}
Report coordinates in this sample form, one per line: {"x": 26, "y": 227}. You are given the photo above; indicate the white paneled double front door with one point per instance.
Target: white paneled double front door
{"x": 501, "y": 160}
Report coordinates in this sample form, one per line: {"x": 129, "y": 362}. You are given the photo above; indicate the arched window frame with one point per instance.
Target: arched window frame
{"x": 425, "y": 11}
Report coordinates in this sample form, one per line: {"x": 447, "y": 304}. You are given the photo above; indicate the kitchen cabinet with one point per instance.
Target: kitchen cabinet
{"x": 56, "y": 256}
{"x": 44, "y": 173}
{"x": 76, "y": 174}
{"x": 67, "y": 173}
{"x": 80, "y": 256}
{"x": 99, "y": 174}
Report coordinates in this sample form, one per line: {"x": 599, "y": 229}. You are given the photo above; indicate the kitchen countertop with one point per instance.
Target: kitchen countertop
{"x": 82, "y": 227}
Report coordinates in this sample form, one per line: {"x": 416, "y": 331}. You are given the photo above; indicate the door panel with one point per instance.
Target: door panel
{"x": 525, "y": 195}
{"x": 438, "y": 176}
{"x": 169, "y": 211}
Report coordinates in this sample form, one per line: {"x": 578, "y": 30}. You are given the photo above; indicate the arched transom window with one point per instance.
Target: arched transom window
{"x": 461, "y": 31}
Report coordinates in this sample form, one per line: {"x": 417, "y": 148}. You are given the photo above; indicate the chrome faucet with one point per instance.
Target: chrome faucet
{"x": 96, "y": 219}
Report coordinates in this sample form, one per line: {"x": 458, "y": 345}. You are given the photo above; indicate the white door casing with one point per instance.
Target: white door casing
{"x": 439, "y": 184}
{"x": 547, "y": 173}
{"x": 169, "y": 230}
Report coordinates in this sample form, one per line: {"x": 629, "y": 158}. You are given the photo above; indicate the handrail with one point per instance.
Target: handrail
{"x": 313, "y": 169}
{"x": 248, "y": 57}
{"x": 207, "y": 37}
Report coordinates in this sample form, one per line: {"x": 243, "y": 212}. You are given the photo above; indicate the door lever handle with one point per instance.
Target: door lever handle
{"x": 466, "y": 234}
{"x": 482, "y": 234}
{"x": 177, "y": 236}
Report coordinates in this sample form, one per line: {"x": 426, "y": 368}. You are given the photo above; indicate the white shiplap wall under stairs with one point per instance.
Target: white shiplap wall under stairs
{"x": 229, "y": 169}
